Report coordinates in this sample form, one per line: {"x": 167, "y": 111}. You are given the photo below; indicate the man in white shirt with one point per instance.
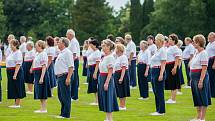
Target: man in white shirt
{"x": 64, "y": 66}
{"x": 74, "y": 47}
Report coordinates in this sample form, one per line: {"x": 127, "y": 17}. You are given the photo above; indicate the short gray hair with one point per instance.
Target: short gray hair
{"x": 180, "y": 43}
{"x": 31, "y": 43}
{"x": 71, "y": 31}
{"x": 65, "y": 41}
{"x": 22, "y": 39}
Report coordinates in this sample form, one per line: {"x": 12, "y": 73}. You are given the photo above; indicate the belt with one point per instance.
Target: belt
{"x": 59, "y": 75}
{"x": 36, "y": 69}
{"x": 119, "y": 70}
{"x": 156, "y": 67}
{"x": 212, "y": 57}
{"x": 103, "y": 74}
{"x": 172, "y": 62}
{"x": 94, "y": 65}
{"x": 11, "y": 68}
{"x": 141, "y": 63}
{"x": 196, "y": 70}
{"x": 28, "y": 61}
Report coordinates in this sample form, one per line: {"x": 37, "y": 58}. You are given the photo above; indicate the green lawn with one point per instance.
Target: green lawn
{"x": 81, "y": 111}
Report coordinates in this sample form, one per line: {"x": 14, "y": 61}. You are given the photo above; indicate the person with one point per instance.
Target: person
{"x": 211, "y": 63}
{"x": 22, "y": 47}
{"x": 84, "y": 55}
{"x": 51, "y": 51}
{"x": 8, "y": 50}
{"x": 121, "y": 76}
{"x": 106, "y": 89}
{"x": 74, "y": 47}
{"x": 64, "y": 67}
{"x": 93, "y": 69}
{"x": 57, "y": 50}
{"x": 16, "y": 86}
{"x": 131, "y": 55}
{"x": 28, "y": 60}
{"x": 187, "y": 56}
{"x": 143, "y": 60}
{"x": 42, "y": 88}
{"x": 158, "y": 62}
{"x": 0, "y": 76}
{"x": 200, "y": 78}
{"x": 172, "y": 81}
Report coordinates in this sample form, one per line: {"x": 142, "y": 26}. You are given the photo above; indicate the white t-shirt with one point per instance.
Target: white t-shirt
{"x": 51, "y": 51}
{"x": 152, "y": 49}
{"x": 120, "y": 62}
{"x": 94, "y": 57}
{"x": 23, "y": 48}
{"x": 30, "y": 55}
{"x": 210, "y": 48}
{"x": 57, "y": 51}
{"x": 8, "y": 51}
{"x": 74, "y": 47}
{"x": 180, "y": 53}
{"x": 172, "y": 53}
{"x": 40, "y": 60}
{"x": 131, "y": 47}
{"x": 160, "y": 55}
{"x": 106, "y": 63}
{"x": 144, "y": 57}
{"x": 14, "y": 58}
{"x": 199, "y": 59}
{"x": 63, "y": 62}
{"x": 188, "y": 51}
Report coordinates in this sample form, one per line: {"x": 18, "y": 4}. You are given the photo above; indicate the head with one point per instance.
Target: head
{"x": 56, "y": 40}
{"x": 159, "y": 40}
{"x": 199, "y": 41}
{"x": 166, "y": 42}
{"x": 188, "y": 40}
{"x": 63, "y": 43}
{"x": 40, "y": 45}
{"x": 120, "y": 49}
{"x": 50, "y": 41}
{"x": 211, "y": 37}
{"x": 10, "y": 37}
{"x": 120, "y": 40}
{"x": 180, "y": 43}
{"x": 173, "y": 39}
{"x": 22, "y": 39}
{"x": 86, "y": 44}
{"x": 14, "y": 44}
{"x": 30, "y": 45}
{"x": 30, "y": 39}
{"x": 150, "y": 39}
{"x": 110, "y": 37}
{"x": 70, "y": 34}
{"x": 94, "y": 44}
{"x": 143, "y": 45}
{"x": 128, "y": 38}
{"x": 107, "y": 46}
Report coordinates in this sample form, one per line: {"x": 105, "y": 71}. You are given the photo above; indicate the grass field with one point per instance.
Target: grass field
{"x": 81, "y": 111}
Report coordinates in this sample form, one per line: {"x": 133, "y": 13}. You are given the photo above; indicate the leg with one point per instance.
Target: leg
{"x": 198, "y": 109}
{"x": 173, "y": 95}
{"x": 109, "y": 116}
{"x": 43, "y": 104}
{"x": 160, "y": 96}
{"x": 17, "y": 101}
{"x": 30, "y": 87}
{"x": 96, "y": 96}
{"x": 203, "y": 112}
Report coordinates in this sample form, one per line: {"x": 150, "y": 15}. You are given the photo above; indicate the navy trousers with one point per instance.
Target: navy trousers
{"x": 132, "y": 72}
{"x": 158, "y": 88}
{"x": 142, "y": 81}
{"x": 64, "y": 96}
{"x": 75, "y": 81}
{"x": 186, "y": 62}
{"x": 211, "y": 73}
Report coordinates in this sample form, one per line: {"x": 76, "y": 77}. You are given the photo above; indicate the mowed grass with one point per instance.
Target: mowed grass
{"x": 81, "y": 110}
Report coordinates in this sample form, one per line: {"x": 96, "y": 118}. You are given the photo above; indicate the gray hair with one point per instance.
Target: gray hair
{"x": 11, "y": 36}
{"x": 22, "y": 39}
{"x": 65, "y": 41}
{"x": 31, "y": 43}
{"x": 160, "y": 37}
{"x": 180, "y": 43}
{"x": 71, "y": 31}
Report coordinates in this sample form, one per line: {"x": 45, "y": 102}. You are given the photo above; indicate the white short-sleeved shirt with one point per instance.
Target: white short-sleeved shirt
{"x": 89, "y": 51}
{"x": 199, "y": 59}
{"x": 180, "y": 53}
{"x": 120, "y": 62}
{"x": 63, "y": 62}
{"x": 131, "y": 47}
{"x": 51, "y": 51}
{"x": 84, "y": 53}
{"x": 30, "y": 55}
{"x": 40, "y": 60}
{"x": 210, "y": 48}
{"x": 144, "y": 57}
{"x": 152, "y": 49}
{"x": 160, "y": 55}
{"x": 14, "y": 58}
{"x": 0, "y": 55}
{"x": 74, "y": 47}
{"x": 188, "y": 51}
{"x": 23, "y": 48}
{"x": 172, "y": 53}
{"x": 106, "y": 63}
{"x": 57, "y": 51}
{"x": 94, "y": 57}
{"x": 8, "y": 51}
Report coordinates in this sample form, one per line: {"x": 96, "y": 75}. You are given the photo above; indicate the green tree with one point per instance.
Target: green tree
{"x": 210, "y": 13}
{"x": 3, "y": 28}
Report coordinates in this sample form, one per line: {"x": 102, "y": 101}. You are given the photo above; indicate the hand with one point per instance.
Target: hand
{"x": 160, "y": 78}
{"x": 67, "y": 82}
{"x": 31, "y": 71}
{"x": 146, "y": 74}
{"x": 94, "y": 76}
{"x": 129, "y": 63}
{"x": 41, "y": 81}
{"x": 200, "y": 85}
{"x": 106, "y": 87}
{"x": 14, "y": 77}
{"x": 120, "y": 81}
{"x": 173, "y": 71}
{"x": 213, "y": 66}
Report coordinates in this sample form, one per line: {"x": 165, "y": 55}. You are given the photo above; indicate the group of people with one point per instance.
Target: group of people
{"x": 111, "y": 70}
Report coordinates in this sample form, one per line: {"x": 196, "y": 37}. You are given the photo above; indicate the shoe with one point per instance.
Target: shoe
{"x": 201, "y": 120}
{"x": 187, "y": 87}
{"x": 85, "y": 83}
{"x": 179, "y": 93}
{"x": 60, "y": 117}
{"x": 194, "y": 119}
{"x": 157, "y": 114}
{"x": 150, "y": 90}
{"x": 40, "y": 111}
{"x": 29, "y": 92}
{"x": 133, "y": 87}
{"x": 141, "y": 98}
{"x": 94, "y": 104}
{"x": 14, "y": 106}
{"x": 0, "y": 102}
{"x": 170, "y": 101}
{"x": 122, "y": 108}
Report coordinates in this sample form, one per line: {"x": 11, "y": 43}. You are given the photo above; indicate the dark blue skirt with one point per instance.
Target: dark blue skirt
{"x": 41, "y": 91}
{"x": 200, "y": 97}
{"x": 142, "y": 80}
{"x": 92, "y": 83}
{"x": 107, "y": 99}
{"x": 52, "y": 77}
{"x": 181, "y": 78}
{"x": 16, "y": 88}
{"x": 172, "y": 82}
{"x": 28, "y": 77}
{"x": 123, "y": 89}
{"x": 84, "y": 71}
{"x": 211, "y": 73}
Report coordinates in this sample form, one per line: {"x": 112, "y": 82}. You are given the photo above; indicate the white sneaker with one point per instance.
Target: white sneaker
{"x": 74, "y": 100}
{"x": 29, "y": 92}
{"x": 170, "y": 101}
{"x": 85, "y": 83}
{"x": 150, "y": 90}
{"x": 179, "y": 93}
{"x": 194, "y": 119}
{"x": 0, "y": 102}
{"x": 14, "y": 106}
{"x": 157, "y": 114}
{"x": 201, "y": 120}
{"x": 40, "y": 111}
{"x": 60, "y": 117}
{"x": 133, "y": 87}
{"x": 122, "y": 108}
{"x": 187, "y": 87}
{"x": 141, "y": 98}
{"x": 94, "y": 104}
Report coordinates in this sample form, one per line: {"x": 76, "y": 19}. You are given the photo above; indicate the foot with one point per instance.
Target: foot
{"x": 85, "y": 83}
{"x": 131, "y": 87}
{"x": 170, "y": 101}
{"x": 201, "y": 120}
{"x": 122, "y": 108}
{"x": 94, "y": 103}
{"x": 0, "y": 102}
{"x": 187, "y": 87}
{"x": 141, "y": 98}
{"x": 179, "y": 93}
{"x": 40, "y": 111}
{"x": 194, "y": 119}
{"x": 29, "y": 92}
{"x": 74, "y": 100}
{"x": 14, "y": 106}
{"x": 157, "y": 114}
{"x": 60, "y": 117}
{"x": 150, "y": 90}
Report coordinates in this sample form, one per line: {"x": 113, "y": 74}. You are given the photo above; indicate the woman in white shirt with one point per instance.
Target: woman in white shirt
{"x": 200, "y": 78}
{"x": 16, "y": 87}
{"x": 84, "y": 55}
